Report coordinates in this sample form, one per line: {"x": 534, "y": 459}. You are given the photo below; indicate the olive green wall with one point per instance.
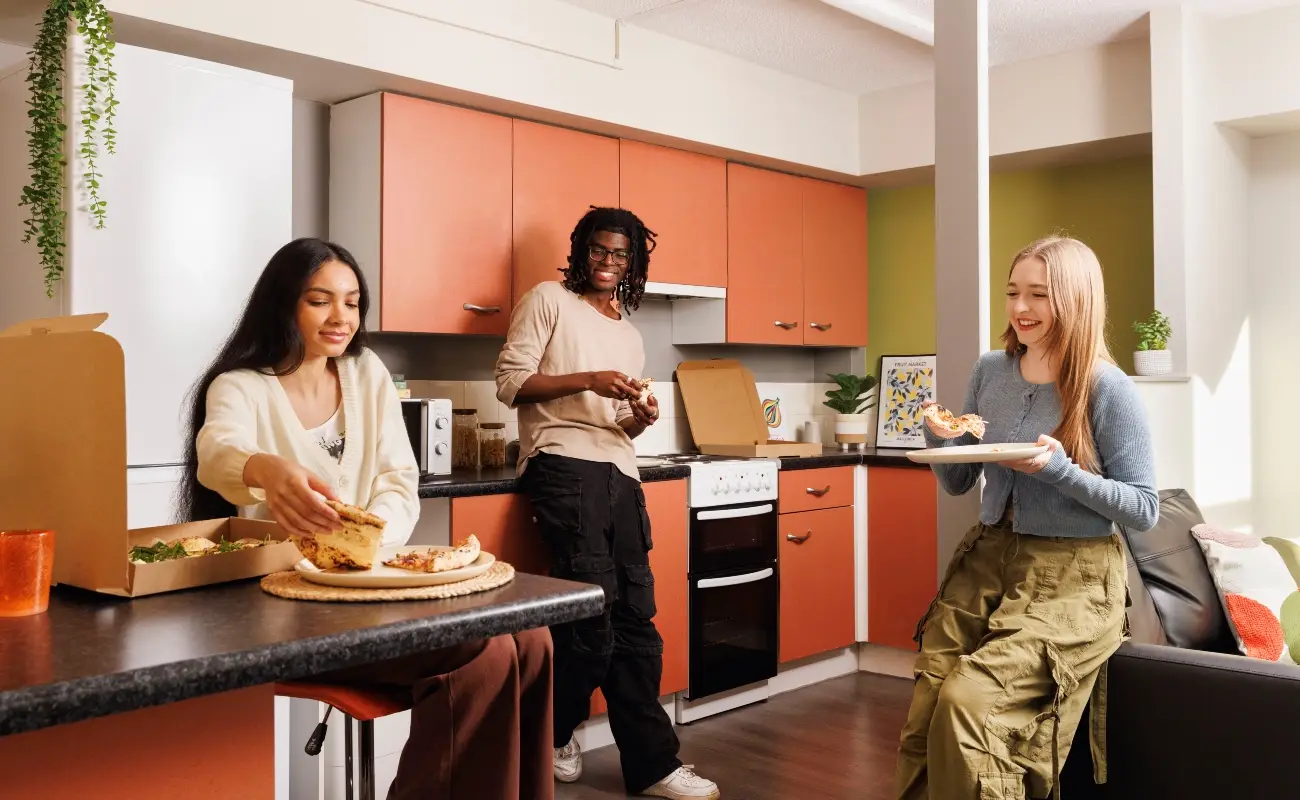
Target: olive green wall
{"x": 1107, "y": 206}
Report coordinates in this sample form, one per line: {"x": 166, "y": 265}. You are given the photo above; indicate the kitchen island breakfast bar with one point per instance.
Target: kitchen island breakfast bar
{"x": 171, "y": 696}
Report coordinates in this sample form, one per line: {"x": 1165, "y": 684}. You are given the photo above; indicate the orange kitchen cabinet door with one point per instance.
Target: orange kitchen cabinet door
{"x": 504, "y": 526}
{"x": 666, "y": 503}
{"x": 764, "y": 257}
{"x": 682, "y": 197}
{"x": 810, "y": 489}
{"x": 816, "y": 582}
{"x": 445, "y": 237}
{"x": 558, "y": 174}
{"x": 902, "y": 563}
{"x": 834, "y": 264}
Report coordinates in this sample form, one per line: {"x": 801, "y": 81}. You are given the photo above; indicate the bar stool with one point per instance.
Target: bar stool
{"x": 363, "y": 704}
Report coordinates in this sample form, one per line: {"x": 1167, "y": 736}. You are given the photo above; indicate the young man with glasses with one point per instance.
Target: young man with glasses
{"x": 572, "y": 365}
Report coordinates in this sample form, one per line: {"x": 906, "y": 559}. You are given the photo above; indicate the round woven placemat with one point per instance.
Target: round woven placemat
{"x": 293, "y": 586}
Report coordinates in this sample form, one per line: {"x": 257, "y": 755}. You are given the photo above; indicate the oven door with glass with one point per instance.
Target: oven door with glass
{"x": 734, "y": 619}
{"x": 732, "y": 537}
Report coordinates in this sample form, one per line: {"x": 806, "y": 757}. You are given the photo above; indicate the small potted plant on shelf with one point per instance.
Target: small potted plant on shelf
{"x": 1152, "y": 357}
{"x": 851, "y": 400}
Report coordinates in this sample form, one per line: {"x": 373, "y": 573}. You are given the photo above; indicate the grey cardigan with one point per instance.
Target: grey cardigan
{"x": 1062, "y": 499}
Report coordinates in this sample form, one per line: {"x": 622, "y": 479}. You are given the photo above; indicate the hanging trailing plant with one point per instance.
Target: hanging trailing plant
{"x": 45, "y": 136}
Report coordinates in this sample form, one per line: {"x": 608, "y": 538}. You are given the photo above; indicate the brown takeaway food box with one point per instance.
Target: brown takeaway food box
{"x": 725, "y": 414}
{"x": 63, "y": 468}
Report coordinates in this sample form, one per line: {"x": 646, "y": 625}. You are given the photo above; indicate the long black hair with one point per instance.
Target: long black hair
{"x": 611, "y": 220}
{"x": 266, "y": 339}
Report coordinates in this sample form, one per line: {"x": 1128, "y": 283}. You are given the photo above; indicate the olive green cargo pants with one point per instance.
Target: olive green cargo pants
{"x": 1011, "y": 650}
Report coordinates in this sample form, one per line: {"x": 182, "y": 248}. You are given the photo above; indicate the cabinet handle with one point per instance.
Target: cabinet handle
{"x": 786, "y": 325}
{"x": 819, "y": 326}
{"x": 817, "y": 492}
{"x": 798, "y": 539}
{"x": 483, "y": 309}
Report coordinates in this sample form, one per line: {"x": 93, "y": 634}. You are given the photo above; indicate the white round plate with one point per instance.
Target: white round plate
{"x": 977, "y": 453}
{"x": 382, "y": 577}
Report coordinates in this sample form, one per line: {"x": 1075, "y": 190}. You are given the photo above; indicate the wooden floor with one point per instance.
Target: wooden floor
{"x": 837, "y": 740}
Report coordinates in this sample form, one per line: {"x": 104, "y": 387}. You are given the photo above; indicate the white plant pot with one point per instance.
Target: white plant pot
{"x": 1153, "y": 362}
{"x": 854, "y": 428}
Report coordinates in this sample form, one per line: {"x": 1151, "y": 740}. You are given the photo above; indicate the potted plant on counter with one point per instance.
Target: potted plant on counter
{"x": 851, "y": 400}
{"x": 1152, "y": 357}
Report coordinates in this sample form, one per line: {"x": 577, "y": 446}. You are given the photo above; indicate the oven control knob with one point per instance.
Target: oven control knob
{"x": 440, "y": 423}
{"x": 440, "y": 448}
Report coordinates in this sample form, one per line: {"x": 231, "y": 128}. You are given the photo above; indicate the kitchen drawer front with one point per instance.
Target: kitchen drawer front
{"x": 810, "y": 489}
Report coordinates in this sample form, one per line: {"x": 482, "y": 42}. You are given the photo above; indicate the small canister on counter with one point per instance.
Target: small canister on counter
{"x": 464, "y": 438}
{"x": 492, "y": 444}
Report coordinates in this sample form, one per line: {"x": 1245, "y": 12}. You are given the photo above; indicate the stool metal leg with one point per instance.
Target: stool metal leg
{"x": 347, "y": 758}
{"x": 367, "y": 760}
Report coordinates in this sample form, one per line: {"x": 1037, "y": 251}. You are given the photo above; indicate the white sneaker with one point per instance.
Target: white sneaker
{"x": 683, "y": 784}
{"x": 568, "y": 762}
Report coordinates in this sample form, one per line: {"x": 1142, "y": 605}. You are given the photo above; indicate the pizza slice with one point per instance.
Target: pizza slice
{"x": 465, "y": 552}
{"x": 944, "y": 419}
{"x": 354, "y": 547}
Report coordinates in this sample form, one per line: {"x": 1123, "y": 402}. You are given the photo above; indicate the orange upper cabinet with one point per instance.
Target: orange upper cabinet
{"x": 421, "y": 193}
{"x": 764, "y": 257}
{"x": 834, "y": 264}
{"x": 682, "y": 197}
{"x": 558, "y": 174}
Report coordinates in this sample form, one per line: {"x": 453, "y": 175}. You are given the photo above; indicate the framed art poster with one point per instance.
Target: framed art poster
{"x": 905, "y": 383}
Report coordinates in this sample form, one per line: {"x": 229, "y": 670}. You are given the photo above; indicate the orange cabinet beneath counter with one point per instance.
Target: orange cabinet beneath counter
{"x": 816, "y": 558}
{"x": 558, "y": 174}
{"x": 902, "y": 563}
{"x": 809, "y": 489}
{"x": 666, "y": 503}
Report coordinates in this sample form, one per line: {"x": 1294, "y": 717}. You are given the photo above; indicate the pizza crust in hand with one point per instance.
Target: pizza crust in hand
{"x": 353, "y": 547}
{"x": 465, "y": 552}
{"x": 945, "y": 424}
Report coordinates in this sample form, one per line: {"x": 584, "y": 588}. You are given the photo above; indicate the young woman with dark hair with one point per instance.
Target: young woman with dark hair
{"x": 295, "y": 410}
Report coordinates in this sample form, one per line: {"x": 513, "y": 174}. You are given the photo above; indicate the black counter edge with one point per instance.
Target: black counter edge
{"x": 49, "y": 705}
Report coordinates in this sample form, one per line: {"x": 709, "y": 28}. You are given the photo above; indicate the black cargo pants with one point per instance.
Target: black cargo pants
{"x": 593, "y": 518}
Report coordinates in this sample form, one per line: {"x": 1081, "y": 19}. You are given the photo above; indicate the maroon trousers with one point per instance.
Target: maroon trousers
{"x": 480, "y": 719}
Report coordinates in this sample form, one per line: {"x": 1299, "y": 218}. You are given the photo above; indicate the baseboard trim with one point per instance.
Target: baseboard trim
{"x": 884, "y": 660}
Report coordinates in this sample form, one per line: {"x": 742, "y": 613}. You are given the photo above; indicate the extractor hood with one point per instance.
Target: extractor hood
{"x": 672, "y": 291}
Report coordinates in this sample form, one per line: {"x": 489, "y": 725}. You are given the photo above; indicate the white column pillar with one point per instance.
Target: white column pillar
{"x": 961, "y": 247}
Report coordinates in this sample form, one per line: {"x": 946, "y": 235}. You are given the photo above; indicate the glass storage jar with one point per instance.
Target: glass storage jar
{"x": 464, "y": 438}
{"x": 492, "y": 444}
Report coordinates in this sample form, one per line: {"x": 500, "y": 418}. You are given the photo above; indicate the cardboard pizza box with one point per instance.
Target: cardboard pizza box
{"x": 725, "y": 414}
{"x": 63, "y": 468}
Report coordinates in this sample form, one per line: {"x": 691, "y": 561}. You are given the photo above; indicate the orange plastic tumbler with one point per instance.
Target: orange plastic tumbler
{"x": 26, "y": 565}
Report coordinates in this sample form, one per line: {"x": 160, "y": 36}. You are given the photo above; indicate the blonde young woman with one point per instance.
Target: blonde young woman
{"x": 1033, "y": 602}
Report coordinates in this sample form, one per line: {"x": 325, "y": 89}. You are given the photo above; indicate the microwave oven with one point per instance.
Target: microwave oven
{"x": 428, "y": 423}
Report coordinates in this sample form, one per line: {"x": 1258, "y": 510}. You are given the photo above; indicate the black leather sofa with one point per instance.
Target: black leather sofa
{"x": 1188, "y": 716}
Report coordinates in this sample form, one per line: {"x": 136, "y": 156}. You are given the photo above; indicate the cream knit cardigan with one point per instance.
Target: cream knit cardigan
{"x": 249, "y": 413}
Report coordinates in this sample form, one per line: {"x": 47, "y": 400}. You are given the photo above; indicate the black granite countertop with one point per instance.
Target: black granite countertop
{"x": 91, "y": 655}
{"x": 469, "y": 482}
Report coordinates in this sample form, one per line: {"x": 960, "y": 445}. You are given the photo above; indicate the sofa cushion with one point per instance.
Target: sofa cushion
{"x": 1172, "y": 569}
{"x": 1257, "y": 590}
{"x": 1143, "y": 619}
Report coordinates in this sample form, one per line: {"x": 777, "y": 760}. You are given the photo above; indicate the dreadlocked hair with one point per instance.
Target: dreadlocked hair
{"x": 577, "y": 275}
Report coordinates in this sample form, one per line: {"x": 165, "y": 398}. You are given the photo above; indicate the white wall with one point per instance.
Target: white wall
{"x": 1255, "y": 62}
{"x": 311, "y": 168}
{"x": 544, "y": 54}
{"x": 1274, "y": 258}
{"x": 1081, "y": 96}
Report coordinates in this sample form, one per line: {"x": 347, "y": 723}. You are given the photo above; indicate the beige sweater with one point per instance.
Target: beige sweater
{"x": 555, "y": 332}
{"x": 249, "y": 413}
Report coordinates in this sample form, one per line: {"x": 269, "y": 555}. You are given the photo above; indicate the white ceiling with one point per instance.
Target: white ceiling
{"x": 815, "y": 40}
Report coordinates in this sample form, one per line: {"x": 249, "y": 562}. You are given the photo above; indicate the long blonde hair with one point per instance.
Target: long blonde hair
{"x": 1077, "y": 339}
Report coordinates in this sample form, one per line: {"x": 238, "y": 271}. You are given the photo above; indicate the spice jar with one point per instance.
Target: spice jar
{"x": 492, "y": 444}
{"x": 464, "y": 438}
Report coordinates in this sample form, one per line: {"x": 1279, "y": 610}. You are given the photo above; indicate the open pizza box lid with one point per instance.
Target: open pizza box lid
{"x": 725, "y": 414}
{"x": 63, "y": 440}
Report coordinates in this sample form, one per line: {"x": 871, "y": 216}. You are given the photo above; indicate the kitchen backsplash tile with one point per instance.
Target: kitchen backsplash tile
{"x": 798, "y": 403}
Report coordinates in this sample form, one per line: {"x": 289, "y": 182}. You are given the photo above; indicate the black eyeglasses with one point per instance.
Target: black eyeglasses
{"x": 597, "y": 253}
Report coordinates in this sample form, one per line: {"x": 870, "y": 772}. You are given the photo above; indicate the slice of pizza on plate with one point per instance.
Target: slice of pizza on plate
{"x": 966, "y": 423}
{"x": 353, "y": 547}
{"x": 464, "y": 553}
